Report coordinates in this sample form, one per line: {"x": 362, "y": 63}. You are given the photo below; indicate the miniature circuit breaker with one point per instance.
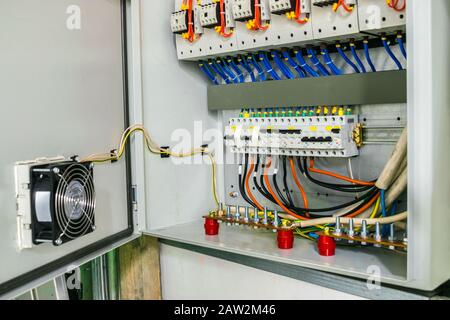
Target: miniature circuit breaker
{"x": 318, "y": 136}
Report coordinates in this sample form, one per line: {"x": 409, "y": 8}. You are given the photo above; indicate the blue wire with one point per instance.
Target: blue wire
{"x": 368, "y": 58}
{"x": 312, "y": 56}
{"x": 330, "y": 63}
{"x": 383, "y": 203}
{"x": 346, "y": 59}
{"x": 383, "y": 210}
{"x": 266, "y": 63}
{"x": 358, "y": 60}
{"x": 401, "y": 44}
{"x": 257, "y": 66}
{"x": 236, "y": 69}
{"x": 207, "y": 72}
{"x": 289, "y": 73}
{"x": 304, "y": 65}
{"x": 391, "y": 54}
{"x": 228, "y": 71}
{"x": 293, "y": 64}
{"x": 283, "y": 68}
{"x": 218, "y": 69}
{"x": 243, "y": 62}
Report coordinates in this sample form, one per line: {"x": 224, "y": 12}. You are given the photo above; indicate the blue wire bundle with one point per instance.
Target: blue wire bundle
{"x": 293, "y": 64}
{"x": 312, "y": 56}
{"x": 346, "y": 59}
{"x": 257, "y": 66}
{"x": 236, "y": 69}
{"x": 226, "y": 69}
{"x": 204, "y": 67}
{"x": 266, "y": 63}
{"x": 304, "y": 65}
{"x": 367, "y": 54}
{"x": 218, "y": 69}
{"x": 243, "y": 62}
{"x": 356, "y": 57}
{"x": 391, "y": 54}
{"x": 280, "y": 64}
{"x": 326, "y": 57}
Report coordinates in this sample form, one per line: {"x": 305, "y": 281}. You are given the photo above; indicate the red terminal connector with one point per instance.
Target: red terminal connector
{"x": 285, "y": 239}
{"x": 326, "y": 246}
{"x": 211, "y": 227}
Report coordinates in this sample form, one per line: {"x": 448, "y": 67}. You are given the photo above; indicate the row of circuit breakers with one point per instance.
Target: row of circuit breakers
{"x": 334, "y": 136}
{"x": 218, "y": 27}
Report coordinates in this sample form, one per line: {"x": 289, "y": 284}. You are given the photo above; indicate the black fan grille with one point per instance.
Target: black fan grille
{"x": 75, "y": 202}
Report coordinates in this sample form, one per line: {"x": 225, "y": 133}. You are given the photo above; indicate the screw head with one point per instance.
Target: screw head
{"x": 56, "y": 170}
{"x": 58, "y": 242}
{"x": 93, "y": 227}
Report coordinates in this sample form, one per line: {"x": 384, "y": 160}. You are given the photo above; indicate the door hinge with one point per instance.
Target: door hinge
{"x": 134, "y": 202}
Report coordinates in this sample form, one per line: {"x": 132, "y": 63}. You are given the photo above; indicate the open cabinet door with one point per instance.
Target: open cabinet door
{"x": 63, "y": 93}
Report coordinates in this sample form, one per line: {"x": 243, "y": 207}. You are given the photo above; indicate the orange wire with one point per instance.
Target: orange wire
{"x": 191, "y": 34}
{"x": 223, "y": 32}
{"x": 394, "y": 5}
{"x": 337, "y": 176}
{"x": 344, "y": 5}
{"x": 247, "y": 179}
{"x": 366, "y": 206}
{"x": 258, "y": 25}
{"x": 278, "y": 201}
{"x": 298, "y": 13}
{"x": 299, "y": 185}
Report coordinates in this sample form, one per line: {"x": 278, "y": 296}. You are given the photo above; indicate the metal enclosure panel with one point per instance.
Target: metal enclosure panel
{"x": 62, "y": 94}
{"x": 235, "y": 282}
{"x": 429, "y": 141}
{"x": 175, "y": 112}
{"x": 375, "y": 15}
{"x": 262, "y": 244}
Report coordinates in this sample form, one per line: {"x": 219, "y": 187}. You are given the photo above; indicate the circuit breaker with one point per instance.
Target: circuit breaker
{"x": 318, "y": 136}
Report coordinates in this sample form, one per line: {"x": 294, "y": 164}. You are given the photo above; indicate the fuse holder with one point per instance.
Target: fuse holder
{"x": 211, "y": 227}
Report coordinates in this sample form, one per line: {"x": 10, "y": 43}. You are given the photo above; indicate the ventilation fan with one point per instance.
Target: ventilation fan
{"x": 56, "y": 201}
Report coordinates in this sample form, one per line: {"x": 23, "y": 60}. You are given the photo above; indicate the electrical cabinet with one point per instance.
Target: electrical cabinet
{"x": 82, "y": 92}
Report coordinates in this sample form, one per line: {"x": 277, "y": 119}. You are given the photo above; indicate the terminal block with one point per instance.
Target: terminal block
{"x": 317, "y": 136}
